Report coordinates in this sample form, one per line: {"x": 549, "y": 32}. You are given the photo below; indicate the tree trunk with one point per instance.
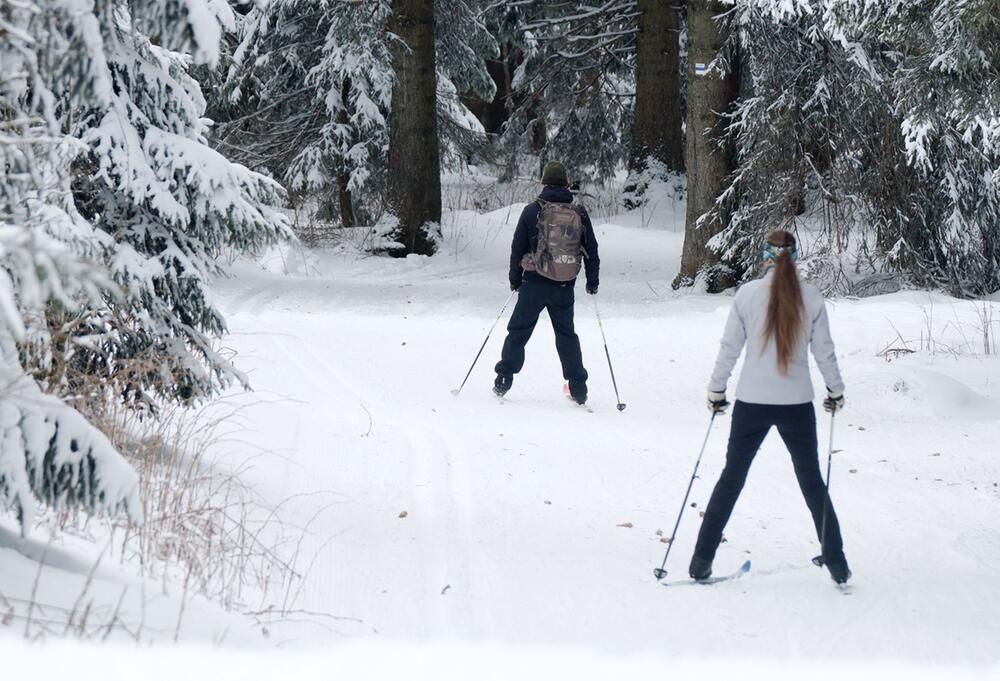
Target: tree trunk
{"x": 539, "y": 131}
{"x": 494, "y": 114}
{"x": 501, "y": 71}
{"x": 656, "y": 131}
{"x": 347, "y": 218}
{"x": 709, "y": 96}
{"x": 414, "y": 161}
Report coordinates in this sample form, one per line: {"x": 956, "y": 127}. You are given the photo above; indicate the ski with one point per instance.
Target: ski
{"x": 745, "y": 568}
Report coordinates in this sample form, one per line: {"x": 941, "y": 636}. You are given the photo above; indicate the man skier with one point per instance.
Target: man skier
{"x": 553, "y": 240}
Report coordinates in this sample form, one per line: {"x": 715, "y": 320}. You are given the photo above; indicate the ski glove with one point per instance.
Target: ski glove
{"x": 592, "y": 290}
{"x": 717, "y": 403}
{"x": 514, "y": 287}
{"x": 834, "y": 402}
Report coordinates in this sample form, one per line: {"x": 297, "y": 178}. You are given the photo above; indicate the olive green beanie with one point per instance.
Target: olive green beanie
{"x": 555, "y": 173}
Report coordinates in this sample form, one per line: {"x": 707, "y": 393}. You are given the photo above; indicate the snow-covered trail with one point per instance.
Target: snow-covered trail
{"x": 536, "y": 522}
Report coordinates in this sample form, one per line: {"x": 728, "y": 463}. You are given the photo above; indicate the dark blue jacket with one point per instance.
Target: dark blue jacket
{"x": 526, "y": 239}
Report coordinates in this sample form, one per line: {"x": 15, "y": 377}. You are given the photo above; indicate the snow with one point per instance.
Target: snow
{"x": 72, "y": 574}
{"x": 513, "y": 526}
{"x": 455, "y": 537}
{"x": 436, "y": 662}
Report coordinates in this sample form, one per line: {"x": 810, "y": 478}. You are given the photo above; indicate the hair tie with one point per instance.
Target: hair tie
{"x": 771, "y": 252}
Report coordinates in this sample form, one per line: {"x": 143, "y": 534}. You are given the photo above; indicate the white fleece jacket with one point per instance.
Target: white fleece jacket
{"x": 760, "y": 380}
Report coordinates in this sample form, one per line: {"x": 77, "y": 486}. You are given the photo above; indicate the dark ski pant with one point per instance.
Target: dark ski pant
{"x": 796, "y": 424}
{"x": 532, "y": 298}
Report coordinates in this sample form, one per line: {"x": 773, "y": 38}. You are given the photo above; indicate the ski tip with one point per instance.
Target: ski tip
{"x": 745, "y": 567}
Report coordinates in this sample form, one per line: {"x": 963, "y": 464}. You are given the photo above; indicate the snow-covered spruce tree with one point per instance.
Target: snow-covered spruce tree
{"x": 879, "y": 123}
{"x": 806, "y": 124}
{"x": 48, "y": 451}
{"x": 596, "y": 85}
{"x": 463, "y": 44}
{"x": 939, "y": 62}
{"x": 168, "y": 204}
{"x": 307, "y": 93}
{"x": 572, "y": 87}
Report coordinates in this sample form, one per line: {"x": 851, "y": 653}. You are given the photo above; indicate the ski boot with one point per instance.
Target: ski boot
{"x": 839, "y": 572}
{"x": 700, "y": 568}
{"x": 502, "y": 384}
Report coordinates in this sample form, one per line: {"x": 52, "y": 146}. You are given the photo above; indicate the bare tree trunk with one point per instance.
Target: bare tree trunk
{"x": 710, "y": 95}
{"x": 656, "y": 131}
{"x": 414, "y": 162}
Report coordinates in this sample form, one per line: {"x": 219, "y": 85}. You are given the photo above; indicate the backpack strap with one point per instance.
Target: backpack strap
{"x": 583, "y": 229}
{"x": 533, "y": 243}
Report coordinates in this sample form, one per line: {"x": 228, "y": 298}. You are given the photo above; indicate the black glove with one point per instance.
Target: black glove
{"x": 717, "y": 402}
{"x": 514, "y": 287}
{"x": 834, "y": 402}
{"x": 592, "y": 290}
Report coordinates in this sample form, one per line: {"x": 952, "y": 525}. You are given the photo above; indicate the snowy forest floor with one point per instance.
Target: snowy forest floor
{"x": 534, "y": 522}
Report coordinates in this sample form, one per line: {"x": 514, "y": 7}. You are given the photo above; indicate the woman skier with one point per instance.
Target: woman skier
{"x": 778, "y": 318}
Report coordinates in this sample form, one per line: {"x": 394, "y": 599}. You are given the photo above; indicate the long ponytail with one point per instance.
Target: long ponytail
{"x": 785, "y": 311}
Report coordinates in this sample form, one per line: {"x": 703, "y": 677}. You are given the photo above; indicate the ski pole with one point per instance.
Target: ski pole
{"x": 621, "y": 405}
{"x": 481, "y": 347}
{"x": 820, "y": 561}
{"x": 661, "y": 572}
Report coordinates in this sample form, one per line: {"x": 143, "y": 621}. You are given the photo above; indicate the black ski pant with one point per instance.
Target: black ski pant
{"x": 796, "y": 423}
{"x": 558, "y": 299}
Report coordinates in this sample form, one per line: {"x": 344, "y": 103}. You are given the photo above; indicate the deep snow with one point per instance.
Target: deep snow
{"x": 533, "y": 523}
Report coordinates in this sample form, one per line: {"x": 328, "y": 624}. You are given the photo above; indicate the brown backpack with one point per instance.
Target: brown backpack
{"x": 559, "y": 253}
